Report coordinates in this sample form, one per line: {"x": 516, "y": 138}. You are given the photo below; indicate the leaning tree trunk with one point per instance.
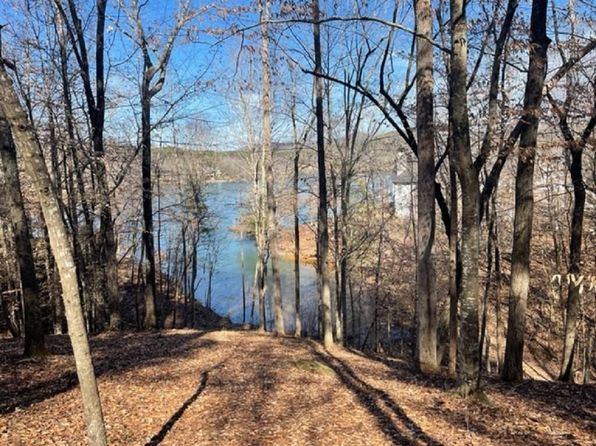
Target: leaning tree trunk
{"x": 524, "y": 196}
{"x": 36, "y": 168}
{"x": 322, "y": 224}
{"x": 34, "y": 330}
{"x": 425, "y": 281}
{"x": 272, "y": 230}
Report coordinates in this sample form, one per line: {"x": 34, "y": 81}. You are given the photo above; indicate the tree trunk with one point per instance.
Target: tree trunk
{"x": 193, "y": 275}
{"x": 575, "y": 248}
{"x": 453, "y": 295}
{"x": 107, "y": 268}
{"x": 323, "y": 225}
{"x": 343, "y": 264}
{"x": 297, "y": 318}
{"x": 338, "y": 315}
{"x": 272, "y": 230}
{"x": 498, "y": 279}
{"x": 262, "y": 276}
{"x": 243, "y": 278}
{"x": 484, "y": 335}
{"x": 150, "y": 290}
{"x": 108, "y": 246}
{"x": 426, "y": 304}
{"x": 468, "y": 180}
{"x": 34, "y": 329}
{"x": 26, "y": 142}
{"x": 524, "y": 196}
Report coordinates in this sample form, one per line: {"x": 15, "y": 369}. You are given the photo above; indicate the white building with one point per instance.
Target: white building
{"x": 404, "y": 190}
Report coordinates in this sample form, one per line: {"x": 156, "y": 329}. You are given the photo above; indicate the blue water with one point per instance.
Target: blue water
{"x": 225, "y": 203}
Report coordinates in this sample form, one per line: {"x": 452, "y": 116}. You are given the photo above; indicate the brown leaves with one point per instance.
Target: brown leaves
{"x": 265, "y": 390}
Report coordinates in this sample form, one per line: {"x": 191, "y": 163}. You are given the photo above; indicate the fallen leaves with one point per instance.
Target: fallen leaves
{"x": 265, "y": 390}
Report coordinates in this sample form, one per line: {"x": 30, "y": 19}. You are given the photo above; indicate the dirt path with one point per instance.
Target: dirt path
{"x": 184, "y": 387}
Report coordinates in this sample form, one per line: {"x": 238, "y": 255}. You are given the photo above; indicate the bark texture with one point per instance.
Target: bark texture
{"x": 34, "y": 329}
{"x": 468, "y": 180}
{"x": 425, "y": 278}
{"x": 26, "y": 142}
{"x": 150, "y": 319}
{"x": 524, "y": 196}
{"x": 323, "y": 224}
{"x": 573, "y": 308}
{"x": 267, "y": 148}
{"x": 295, "y": 209}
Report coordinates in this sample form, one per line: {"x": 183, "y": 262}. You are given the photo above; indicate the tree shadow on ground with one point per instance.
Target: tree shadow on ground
{"x": 168, "y": 425}
{"x": 378, "y": 403}
{"x": 485, "y": 427}
{"x": 568, "y": 401}
{"x": 405, "y": 371}
{"x": 114, "y": 353}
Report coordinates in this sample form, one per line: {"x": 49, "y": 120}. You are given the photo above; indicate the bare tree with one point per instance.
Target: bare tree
{"x": 34, "y": 327}
{"x": 272, "y": 230}
{"x": 155, "y": 65}
{"x": 322, "y": 225}
{"x": 106, "y": 261}
{"x": 524, "y": 195}
{"x": 426, "y": 307}
{"x": 468, "y": 180}
{"x": 574, "y": 146}
{"x": 27, "y": 143}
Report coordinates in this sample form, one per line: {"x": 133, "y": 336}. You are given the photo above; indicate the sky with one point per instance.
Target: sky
{"x": 213, "y": 76}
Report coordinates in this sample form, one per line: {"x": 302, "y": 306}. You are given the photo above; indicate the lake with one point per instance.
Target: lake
{"x": 225, "y": 202}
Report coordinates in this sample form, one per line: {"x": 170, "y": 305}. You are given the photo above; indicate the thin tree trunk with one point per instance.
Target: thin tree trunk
{"x": 453, "y": 295}
{"x": 484, "y": 322}
{"x": 493, "y": 95}
{"x": 575, "y": 246}
{"x": 262, "y": 296}
{"x": 193, "y": 276}
{"x": 27, "y": 143}
{"x": 159, "y": 268}
{"x": 498, "y": 278}
{"x": 107, "y": 261}
{"x": 323, "y": 225}
{"x": 107, "y": 273}
{"x": 176, "y": 286}
{"x": 185, "y": 278}
{"x": 337, "y": 316}
{"x": 524, "y": 196}
{"x": 343, "y": 264}
{"x": 209, "y": 289}
{"x": 272, "y": 229}
{"x": 297, "y": 318}
{"x": 243, "y": 278}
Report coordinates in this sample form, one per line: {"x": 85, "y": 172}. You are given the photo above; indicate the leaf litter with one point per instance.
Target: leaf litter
{"x": 187, "y": 387}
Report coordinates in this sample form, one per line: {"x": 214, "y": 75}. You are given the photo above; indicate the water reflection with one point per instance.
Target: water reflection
{"x": 225, "y": 202}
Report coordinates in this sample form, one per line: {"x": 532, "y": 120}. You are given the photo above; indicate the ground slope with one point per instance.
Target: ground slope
{"x": 184, "y": 387}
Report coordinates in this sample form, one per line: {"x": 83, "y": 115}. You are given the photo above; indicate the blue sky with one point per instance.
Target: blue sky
{"x": 207, "y": 72}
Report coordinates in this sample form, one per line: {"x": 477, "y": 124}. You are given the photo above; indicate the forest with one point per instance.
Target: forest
{"x": 271, "y": 222}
